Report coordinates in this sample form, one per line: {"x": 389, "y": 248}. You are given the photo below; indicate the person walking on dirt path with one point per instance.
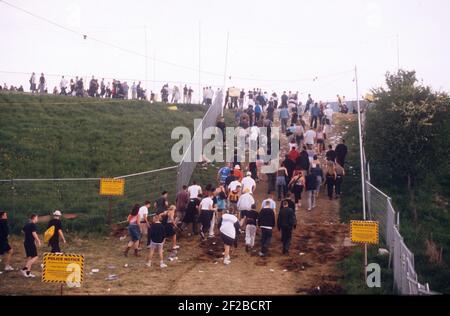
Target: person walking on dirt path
{"x": 134, "y": 231}
{"x": 156, "y": 241}
{"x": 237, "y": 172}
{"x": 318, "y": 172}
{"x": 315, "y": 113}
{"x": 222, "y": 199}
{"x": 168, "y": 220}
{"x": 289, "y": 201}
{"x": 143, "y": 218}
{"x": 245, "y": 203}
{"x": 230, "y": 178}
{"x": 311, "y": 187}
{"x": 249, "y": 183}
{"x": 270, "y": 199}
{"x": 302, "y": 162}
{"x": 30, "y": 244}
{"x": 309, "y": 102}
{"x": 206, "y": 214}
{"x": 229, "y": 232}
{"x": 234, "y": 195}
{"x": 282, "y": 174}
{"x": 192, "y": 213}
{"x": 340, "y": 173}
{"x": 250, "y": 220}
{"x": 310, "y": 138}
{"x": 331, "y": 154}
{"x": 286, "y": 222}
{"x": 297, "y": 185}
{"x": 266, "y": 221}
{"x": 181, "y": 201}
{"x": 341, "y": 153}
{"x": 194, "y": 190}
{"x": 161, "y": 204}
{"x": 320, "y": 138}
{"x": 54, "y": 240}
{"x": 5, "y": 248}
{"x": 284, "y": 117}
{"x": 330, "y": 178}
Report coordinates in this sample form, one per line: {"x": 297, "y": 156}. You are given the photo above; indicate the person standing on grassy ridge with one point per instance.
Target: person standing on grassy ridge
{"x": 5, "y": 248}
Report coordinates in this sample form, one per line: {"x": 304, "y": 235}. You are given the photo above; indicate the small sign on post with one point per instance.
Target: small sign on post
{"x": 63, "y": 268}
{"x": 364, "y": 232}
{"x": 112, "y": 187}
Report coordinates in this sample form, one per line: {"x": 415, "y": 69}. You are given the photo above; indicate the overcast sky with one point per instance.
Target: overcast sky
{"x": 276, "y": 45}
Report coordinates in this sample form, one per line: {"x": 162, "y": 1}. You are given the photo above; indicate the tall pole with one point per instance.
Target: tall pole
{"x": 226, "y": 66}
{"x": 146, "y": 60}
{"x": 199, "y": 61}
{"x": 361, "y": 157}
{"x": 154, "y": 71}
{"x": 398, "y": 52}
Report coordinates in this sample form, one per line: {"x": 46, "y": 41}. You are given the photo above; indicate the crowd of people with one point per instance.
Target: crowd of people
{"x": 227, "y": 205}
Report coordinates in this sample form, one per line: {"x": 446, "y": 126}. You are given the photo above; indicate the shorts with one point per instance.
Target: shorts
{"x": 135, "y": 232}
{"x": 227, "y": 240}
{"x": 30, "y": 250}
{"x": 4, "y": 248}
{"x": 320, "y": 141}
{"x": 242, "y": 213}
{"x": 156, "y": 245}
{"x": 169, "y": 231}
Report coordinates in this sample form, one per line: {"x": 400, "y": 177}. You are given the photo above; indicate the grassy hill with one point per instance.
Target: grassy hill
{"x": 64, "y": 137}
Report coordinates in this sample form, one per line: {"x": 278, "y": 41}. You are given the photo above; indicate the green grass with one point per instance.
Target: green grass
{"x": 351, "y": 209}
{"x": 63, "y": 137}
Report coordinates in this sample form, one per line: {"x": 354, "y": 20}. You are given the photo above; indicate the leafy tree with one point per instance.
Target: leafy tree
{"x": 406, "y": 133}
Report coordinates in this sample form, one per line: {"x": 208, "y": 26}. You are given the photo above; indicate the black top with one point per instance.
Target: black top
{"x": 192, "y": 205}
{"x": 341, "y": 150}
{"x": 157, "y": 232}
{"x": 4, "y": 231}
{"x": 331, "y": 155}
{"x": 160, "y": 204}
{"x": 57, "y": 223}
{"x": 266, "y": 217}
{"x": 302, "y": 160}
{"x": 291, "y": 204}
{"x": 311, "y": 182}
{"x": 251, "y": 216}
{"x": 286, "y": 218}
{"x": 28, "y": 229}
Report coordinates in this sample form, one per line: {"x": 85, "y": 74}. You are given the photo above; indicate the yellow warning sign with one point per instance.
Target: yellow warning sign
{"x": 110, "y": 186}
{"x": 364, "y": 232}
{"x": 63, "y": 268}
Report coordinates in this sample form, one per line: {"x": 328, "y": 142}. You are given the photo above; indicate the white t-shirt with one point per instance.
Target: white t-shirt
{"x": 245, "y": 202}
{"x": 249, "y": 183}
{"x": 273, "y": 205}
{"x": 143, "y": 212}
{"x": 254, "y": 133}
{"x": 309, "y": 137}
{"x": 194, "y": 190}
{"x": 328, "y": 113}
{"x": 63, "y": 83}
{"x": 233, "y": 185}
{"x": 227, "y": 227}
{"x": 206, "y": 204}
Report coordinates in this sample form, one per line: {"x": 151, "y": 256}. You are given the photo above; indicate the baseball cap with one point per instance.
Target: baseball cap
{"x": 57, "y": 213}
{"x": 249, "y": 173}
{"x": 237, "y": 167}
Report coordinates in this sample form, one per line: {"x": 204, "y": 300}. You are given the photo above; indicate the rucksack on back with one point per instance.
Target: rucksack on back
{"x": 234, "y": 197}
{"x": 49, "y": 233}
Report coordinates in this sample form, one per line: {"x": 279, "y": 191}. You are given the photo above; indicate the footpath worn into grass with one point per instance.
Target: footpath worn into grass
{"x": 318, "y": 244}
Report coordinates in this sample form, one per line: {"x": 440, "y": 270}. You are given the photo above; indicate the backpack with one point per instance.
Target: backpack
{"x": 49, "y": 233}
{"x": 234, "y": 197}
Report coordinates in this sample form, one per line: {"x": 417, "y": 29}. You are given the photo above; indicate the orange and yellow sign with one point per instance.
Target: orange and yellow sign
{"x": 110, "y": 186}
{"x": 364, "y": 232}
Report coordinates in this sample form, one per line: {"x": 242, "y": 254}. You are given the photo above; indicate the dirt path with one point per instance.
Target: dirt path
{"x": 317, "y": 246}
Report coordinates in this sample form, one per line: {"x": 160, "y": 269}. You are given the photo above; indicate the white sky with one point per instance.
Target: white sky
{"x": 271, "y": 42}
